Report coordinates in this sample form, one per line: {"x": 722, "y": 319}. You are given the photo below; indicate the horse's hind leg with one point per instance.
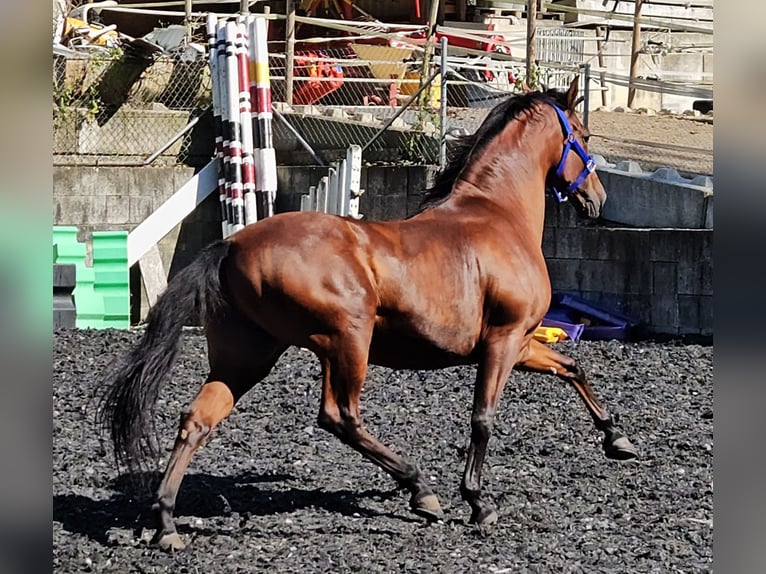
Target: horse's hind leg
{"x": 211, "y": 405}
{"x": 344, "y": 367}
{"x": 542, "y": 359}
{"x": 239, "y": 358}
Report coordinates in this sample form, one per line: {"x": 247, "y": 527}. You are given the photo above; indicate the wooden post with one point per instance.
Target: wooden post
{"x": 586, "y": 95}
{"x": 634, "y": 52}
{"x": 443, "y": 104}
{"x": 531, "y": 24}
{"x": 290, "y": 51}
{"x": 462, "y": 9}
{"x": 433, "y": 14}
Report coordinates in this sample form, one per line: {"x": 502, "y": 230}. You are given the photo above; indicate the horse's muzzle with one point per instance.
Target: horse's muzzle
{"x": 586, "y": 207}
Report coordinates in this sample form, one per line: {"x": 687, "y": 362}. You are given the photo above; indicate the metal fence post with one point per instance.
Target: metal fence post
{"x": 586, "y": 95}
{"x": 443, "y": 105}
{"x": 402, "y": 109}
{"x": 289, "y": 50}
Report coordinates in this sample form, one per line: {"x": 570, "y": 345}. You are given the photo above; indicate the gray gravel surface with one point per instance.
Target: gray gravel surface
{"x": 271, "y": 492}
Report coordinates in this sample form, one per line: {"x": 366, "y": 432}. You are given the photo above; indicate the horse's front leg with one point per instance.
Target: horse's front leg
{"x": 542, "y": 359}
{"x": 501, "y": 350}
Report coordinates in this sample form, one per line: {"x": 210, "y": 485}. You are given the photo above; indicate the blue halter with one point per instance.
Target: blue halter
{"x": 572, "y": 143}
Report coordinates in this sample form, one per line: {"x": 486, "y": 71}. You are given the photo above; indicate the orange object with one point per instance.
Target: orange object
{"x": 317, "y": 87}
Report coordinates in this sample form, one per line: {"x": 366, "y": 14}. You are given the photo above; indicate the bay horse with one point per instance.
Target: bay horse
{"x": 463, "y": 281}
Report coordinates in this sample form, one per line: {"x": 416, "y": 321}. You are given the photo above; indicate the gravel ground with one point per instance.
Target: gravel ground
{"x": 616, "y": 136}
{"x": 273, "y": 493}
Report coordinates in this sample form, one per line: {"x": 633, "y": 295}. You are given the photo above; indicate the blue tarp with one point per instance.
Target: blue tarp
{"x": 581, "y": 319}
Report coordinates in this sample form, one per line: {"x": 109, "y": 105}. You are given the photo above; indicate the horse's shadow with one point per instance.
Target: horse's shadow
{"x": 203, "y": 496}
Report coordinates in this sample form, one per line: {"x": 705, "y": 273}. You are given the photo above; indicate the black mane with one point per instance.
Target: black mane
{"x": 493, "y": 124}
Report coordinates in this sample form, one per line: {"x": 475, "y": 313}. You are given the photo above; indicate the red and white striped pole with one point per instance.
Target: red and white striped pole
{"x": 266, "y": 164}
{"x": 245, "y": 120}
{"x": 235, "y": 130}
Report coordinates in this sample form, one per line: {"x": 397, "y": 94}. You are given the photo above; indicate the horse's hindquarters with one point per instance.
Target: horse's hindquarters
{"x": 302, "y": 277}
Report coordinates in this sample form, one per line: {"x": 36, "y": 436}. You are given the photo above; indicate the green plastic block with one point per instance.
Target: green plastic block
{"x": 89, "y": 304}
{"x": 112, "y": 276}
{"x": 69, "y": 250}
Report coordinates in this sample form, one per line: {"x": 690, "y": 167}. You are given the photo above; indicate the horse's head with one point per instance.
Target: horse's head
{"x": 575, "y": 175}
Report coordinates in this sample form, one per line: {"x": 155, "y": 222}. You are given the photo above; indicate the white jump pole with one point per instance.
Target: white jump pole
{"x": 225, "y": 121}
{"x": 266, "y": 163}
{"x": 245, "y": 121}
{"x": 235, "y": 129}
{"x": 216, "y": 89}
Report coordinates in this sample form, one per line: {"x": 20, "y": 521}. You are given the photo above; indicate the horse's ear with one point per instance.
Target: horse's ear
{"x": 572, "y": 93}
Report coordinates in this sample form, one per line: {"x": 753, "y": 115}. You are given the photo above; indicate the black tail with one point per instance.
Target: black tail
{"x": 126, "y": 411}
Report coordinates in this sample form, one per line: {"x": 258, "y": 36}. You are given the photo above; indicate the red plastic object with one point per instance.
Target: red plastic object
{"x": 313, "y": 90}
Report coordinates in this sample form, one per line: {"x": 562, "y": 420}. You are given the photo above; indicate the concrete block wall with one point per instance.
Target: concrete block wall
{"x": 661, "y": 198}
{"x": 659, "y": 276}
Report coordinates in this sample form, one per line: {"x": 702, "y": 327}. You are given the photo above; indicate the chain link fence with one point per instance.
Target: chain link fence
{"x": 116, "y": 107}
{"x": 343, "y": 96}
{"x": 121, "y": 109}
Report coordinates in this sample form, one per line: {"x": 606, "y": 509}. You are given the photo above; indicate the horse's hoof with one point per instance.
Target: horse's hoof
{"x": 484, "y": 518}
{"x": 620, "y": 448}
{"x": 428, "y": 507}
{"x": 170, "y": 542}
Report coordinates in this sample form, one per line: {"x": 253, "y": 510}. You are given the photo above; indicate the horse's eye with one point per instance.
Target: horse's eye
{"x": 586, "y": 139}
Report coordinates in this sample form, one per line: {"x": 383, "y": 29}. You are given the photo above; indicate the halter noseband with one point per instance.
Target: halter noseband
{"x": 571, "y": 143}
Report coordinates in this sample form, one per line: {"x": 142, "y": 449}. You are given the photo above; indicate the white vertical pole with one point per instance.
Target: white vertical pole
{"x": 225, "y": 121}
{"x": 215, "y": 76}
{"x": 313, "y": 198}
{"x": 266, "y": 180}
{"x": 245, "y": 121}
{"x": 332, "y": 188}
{"x": 353, "y": 174}
{"x": 322, "y": 194}
{"x": 343, "y": 196}
{"x": 235, "y": 135}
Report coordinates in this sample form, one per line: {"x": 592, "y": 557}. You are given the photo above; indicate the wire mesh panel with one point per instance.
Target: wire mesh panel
{"x": 476, "y": 85}
{"x": 559, "y": 45}
{"x": 346, "y": 96}
{"x": 121, "y": 108}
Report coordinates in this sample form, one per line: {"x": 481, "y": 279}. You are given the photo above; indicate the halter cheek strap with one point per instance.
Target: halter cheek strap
{"x": 571, "y": 144}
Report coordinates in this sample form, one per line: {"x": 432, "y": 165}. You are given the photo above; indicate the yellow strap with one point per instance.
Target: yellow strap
{"x": 550, "y": 334}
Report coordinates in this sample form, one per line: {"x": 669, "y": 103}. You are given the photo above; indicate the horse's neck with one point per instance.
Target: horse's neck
{"x": 510, "y": 173}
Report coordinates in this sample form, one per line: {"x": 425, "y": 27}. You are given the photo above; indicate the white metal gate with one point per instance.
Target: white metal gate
{"x": 559, "y": 46}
